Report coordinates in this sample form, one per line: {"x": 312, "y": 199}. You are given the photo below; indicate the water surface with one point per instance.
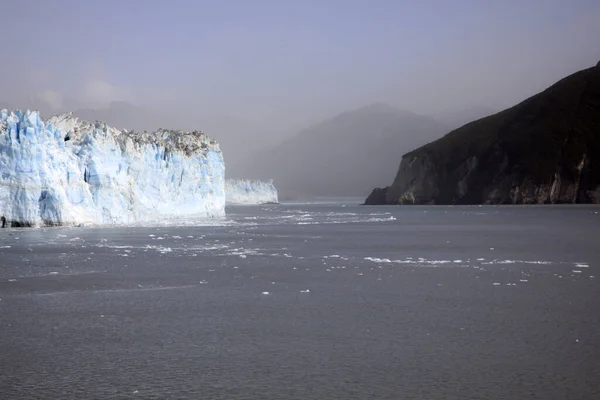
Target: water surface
{"x": 308, "y": 301}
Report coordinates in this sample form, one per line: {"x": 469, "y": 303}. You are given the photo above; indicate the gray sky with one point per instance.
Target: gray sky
{"x": 285, "y": 63}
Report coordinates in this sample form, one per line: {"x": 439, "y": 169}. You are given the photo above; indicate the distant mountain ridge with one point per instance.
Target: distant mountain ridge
{"x": 342, "y": 156}
{"x": 545, "y": 149}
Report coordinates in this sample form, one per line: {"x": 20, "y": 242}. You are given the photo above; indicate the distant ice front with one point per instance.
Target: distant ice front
{"x": 64, "y": 171}
{"x": 243, "y": 191}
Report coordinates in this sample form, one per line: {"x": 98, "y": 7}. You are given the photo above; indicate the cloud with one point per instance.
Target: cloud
{"x": 51, "y": 98}
{"x": 39, "y": 76}
{"x": 99, "y": 93}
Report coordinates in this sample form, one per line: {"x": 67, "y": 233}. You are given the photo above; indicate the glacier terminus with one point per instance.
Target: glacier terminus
{"x": 64, "y": 171}
{"x": 246, "y": 191}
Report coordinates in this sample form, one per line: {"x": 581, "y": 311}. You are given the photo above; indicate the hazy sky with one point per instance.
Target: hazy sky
{"x": 292, "y": 62}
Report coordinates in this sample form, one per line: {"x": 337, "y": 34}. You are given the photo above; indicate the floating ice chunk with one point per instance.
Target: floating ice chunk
{"x": 305, "y": 291}
{"x": 53, "y": 273}
{"x": 481, "y": 259}
{"x": 379, "y": 260}
{"x": 496, "y": 283}
{"x": 12, "y": 280}
{"x": 266, "y": 293}
{"x": 576, "y": 271}
{"x": 523, "y": 280}
{"x": 582, "y": 266}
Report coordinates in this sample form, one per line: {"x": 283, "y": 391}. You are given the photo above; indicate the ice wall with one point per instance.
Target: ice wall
{"x": 250, "y": 192}
{"x": 64, "y": 171}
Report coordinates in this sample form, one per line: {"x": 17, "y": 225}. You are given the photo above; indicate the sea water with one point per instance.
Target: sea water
{"x": 307, "y": 301}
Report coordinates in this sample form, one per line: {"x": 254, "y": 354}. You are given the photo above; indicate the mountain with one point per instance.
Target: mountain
{"x": 342, "y": 156}
{"x": 543, "y": 150}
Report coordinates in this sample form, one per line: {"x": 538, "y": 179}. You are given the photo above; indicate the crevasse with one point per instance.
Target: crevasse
{"x": 64, "y": 171}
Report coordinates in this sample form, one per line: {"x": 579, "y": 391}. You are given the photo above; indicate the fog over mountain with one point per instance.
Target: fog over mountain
{"x": 237, "y": 138}
{"x": 341, "y": 156}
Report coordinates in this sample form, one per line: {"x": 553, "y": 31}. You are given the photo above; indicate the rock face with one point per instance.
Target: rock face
{"x": 243, "y": 191}
{"x": 64, "y": 171}
{"x": 377, "y": 197}
{"x": 543, "y": 150}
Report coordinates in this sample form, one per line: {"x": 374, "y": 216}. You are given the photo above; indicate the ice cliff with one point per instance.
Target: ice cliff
{"x": 64, "y": 171}
{"x": 250, "y": 192}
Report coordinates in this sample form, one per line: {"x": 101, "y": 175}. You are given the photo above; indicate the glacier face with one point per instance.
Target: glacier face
{"x": 242, "y": 191}
{"x": 64, "y": 171}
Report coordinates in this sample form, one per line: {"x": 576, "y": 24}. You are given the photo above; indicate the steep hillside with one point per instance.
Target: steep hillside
{"x": 543, "y": 150}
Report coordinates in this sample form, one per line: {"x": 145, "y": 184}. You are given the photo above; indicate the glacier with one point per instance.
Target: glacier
{"x": 244, "y": 191}
{"x": 64, "y": 171}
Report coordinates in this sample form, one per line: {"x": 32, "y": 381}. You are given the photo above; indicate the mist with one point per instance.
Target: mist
{"x": 255, "y": 74}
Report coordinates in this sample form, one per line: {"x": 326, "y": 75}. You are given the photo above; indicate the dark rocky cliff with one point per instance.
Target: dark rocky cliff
{"x": 543, "y": 150}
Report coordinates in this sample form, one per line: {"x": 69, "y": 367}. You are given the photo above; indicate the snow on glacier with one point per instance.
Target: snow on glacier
{"x": 242, "y": 191}
{"x": 64, "y": 171}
